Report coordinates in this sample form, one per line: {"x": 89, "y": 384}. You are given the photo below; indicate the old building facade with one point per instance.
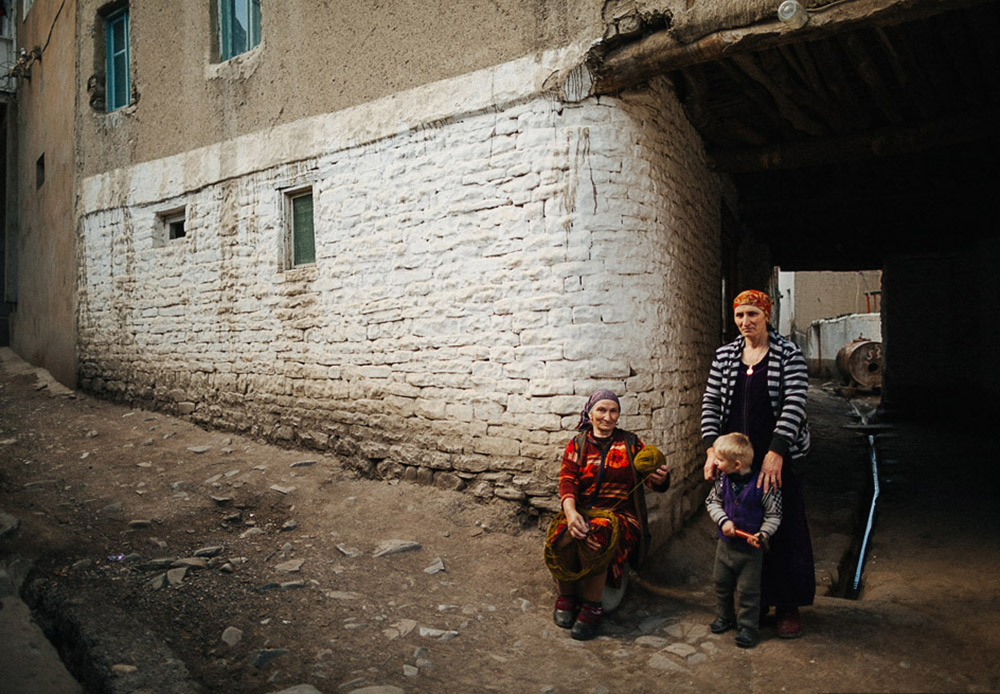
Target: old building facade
{"x": 416, "y": 237}
{"x": 484, "y": 251}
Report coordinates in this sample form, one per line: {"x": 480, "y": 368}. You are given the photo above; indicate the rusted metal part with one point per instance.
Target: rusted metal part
{"x": 859, "y": 363}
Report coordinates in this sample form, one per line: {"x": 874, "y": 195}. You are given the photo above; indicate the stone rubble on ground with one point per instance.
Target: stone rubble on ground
{"x": 436, "y": 566}
{"x": 290, "y": 566}
{"x": 231, "y": 636}
{"x": 387, "y": 547}
{"x": 266, "y": 655}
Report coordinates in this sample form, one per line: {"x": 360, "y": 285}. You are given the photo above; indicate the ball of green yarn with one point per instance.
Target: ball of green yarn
{"x": 648, "y": 459}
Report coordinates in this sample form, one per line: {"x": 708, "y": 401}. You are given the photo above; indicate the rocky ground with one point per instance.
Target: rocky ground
{"x": 160, "y": 557}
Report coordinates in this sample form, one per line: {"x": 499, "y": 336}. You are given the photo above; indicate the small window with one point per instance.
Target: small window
{"x": 301, "y": 238}
{"x": 239, "y": 26}
{"x": 173, "y": 224}
{"x": 39, "y": 171}
{"x": 116, "y": 55}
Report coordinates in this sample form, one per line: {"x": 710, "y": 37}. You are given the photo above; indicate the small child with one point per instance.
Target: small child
{"x": 736, "y": 504}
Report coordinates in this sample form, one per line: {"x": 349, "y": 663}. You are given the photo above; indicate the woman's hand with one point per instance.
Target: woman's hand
{"x": 659, "y": 475}
{"x": 770, "y": 471}
{"x": 710, "y": 464}
{"x": 576, "y": 523}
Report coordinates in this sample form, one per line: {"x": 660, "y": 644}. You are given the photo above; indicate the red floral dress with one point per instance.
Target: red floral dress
{"x": 603, "y": 479}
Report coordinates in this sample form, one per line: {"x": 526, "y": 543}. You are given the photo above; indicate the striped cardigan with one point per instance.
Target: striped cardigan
{"x": 787, "y": 381}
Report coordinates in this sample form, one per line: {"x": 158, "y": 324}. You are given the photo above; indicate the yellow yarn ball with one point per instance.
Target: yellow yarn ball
{"x": 648, "y": 460}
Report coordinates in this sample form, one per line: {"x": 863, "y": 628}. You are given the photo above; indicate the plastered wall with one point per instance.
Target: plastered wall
{"x": 314, "y": 58}
{"x": 40, "y": 223}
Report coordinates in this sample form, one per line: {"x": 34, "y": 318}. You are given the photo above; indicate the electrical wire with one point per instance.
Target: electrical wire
{"x": 824, "y": 8}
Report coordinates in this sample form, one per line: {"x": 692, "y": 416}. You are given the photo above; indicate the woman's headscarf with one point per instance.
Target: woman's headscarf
{"x": 595, "y": 398}
{"x": 755, "y": 298}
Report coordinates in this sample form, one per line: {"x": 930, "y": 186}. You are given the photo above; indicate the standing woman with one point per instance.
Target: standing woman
{"x": 603, "y": 522}
{"x": 757, "y": 386}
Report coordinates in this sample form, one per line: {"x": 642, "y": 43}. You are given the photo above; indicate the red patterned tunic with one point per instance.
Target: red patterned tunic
{"x": 603, "y": 486}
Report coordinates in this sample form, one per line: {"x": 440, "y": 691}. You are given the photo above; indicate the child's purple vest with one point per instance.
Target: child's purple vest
{"x": 745, "y": 509}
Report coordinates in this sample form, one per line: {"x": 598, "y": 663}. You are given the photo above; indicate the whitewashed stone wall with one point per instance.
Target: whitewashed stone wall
{"x": 476, "y": 277}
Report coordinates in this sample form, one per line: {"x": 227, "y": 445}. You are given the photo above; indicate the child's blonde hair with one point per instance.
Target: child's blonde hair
{"x": 734, "y": 448}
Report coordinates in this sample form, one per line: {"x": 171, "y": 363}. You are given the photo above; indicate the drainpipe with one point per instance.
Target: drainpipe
{"x": 871, "y": 510}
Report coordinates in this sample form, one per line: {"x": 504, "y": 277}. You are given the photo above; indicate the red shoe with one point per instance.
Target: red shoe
{"x": 789, "y": 623}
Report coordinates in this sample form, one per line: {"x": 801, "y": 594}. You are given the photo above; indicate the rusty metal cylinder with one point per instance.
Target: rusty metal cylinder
{"x": 860, "y": 363}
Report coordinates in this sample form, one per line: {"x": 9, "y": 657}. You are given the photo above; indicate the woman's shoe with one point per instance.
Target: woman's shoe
{"x": 789, "y": 623}
{"x": 564, "y": 614}
{"x": 587, "y": 622}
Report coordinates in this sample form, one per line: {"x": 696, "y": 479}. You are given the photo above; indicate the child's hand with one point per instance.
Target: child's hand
{"x": 729, "y": 529}
{"x": 754, "y": 540}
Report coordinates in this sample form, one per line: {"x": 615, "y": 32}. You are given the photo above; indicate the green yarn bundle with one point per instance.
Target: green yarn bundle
{"x": 577, "y": 552}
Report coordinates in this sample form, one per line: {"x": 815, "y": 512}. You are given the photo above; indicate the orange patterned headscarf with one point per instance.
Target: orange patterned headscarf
{"x": 754, "y": 298}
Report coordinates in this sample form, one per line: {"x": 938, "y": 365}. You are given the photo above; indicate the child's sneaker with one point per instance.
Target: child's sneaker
{"x": 721, "y": 625}
{"x": 747, "y": 638}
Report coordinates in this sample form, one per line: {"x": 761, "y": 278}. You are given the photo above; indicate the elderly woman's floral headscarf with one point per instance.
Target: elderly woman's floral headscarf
{"x": 595, "y": 398}
{"x": 754, "y": 298}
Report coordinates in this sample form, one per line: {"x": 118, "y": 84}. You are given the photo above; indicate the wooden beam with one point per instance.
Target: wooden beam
{"x": 788, "y": 109}
{"x": 857, "y": 49}
{"x": 661, "y": 53}
{"x": 762, "y": 101}
{"x": 875, "y": 145}
{"x": 845, "y": 88}
{"x": 706, "y": 120}
{"x": 814, "y": 81}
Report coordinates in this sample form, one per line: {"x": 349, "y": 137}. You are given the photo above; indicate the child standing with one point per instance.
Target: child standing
{"x": 736, "y": 504}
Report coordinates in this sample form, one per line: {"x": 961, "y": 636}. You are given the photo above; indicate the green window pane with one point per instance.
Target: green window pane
{"x": 254, "y": 22}
{"x": 239, "y": 26}
{"x": 117, "y": 59}
{"x": 303, "y": 239}
{"x": 120, "y": 67}
{"x": 118, "y": 34}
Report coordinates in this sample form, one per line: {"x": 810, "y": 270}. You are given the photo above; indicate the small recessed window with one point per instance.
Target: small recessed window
{"x": 239, "y": 27}
{"x": 39, "y": 171}
{"x": 301, "y": 238}
{"x": 172, "y": 224}
{"x": 118, "y": 88}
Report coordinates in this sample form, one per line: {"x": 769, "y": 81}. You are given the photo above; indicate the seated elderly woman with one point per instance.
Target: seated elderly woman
{"x": 603, "y": 518}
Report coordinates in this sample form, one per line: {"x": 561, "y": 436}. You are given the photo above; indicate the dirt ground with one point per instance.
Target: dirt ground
{"x": 104, "y": 493}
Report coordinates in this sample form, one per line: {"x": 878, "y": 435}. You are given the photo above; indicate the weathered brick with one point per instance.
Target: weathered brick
{"x": 453, "y": 321}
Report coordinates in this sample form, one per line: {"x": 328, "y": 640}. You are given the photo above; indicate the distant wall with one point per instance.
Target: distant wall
{"x": 822, "y": 295}
{"x": 825, "y": 338}
{"x": 476, "y": 277}
{"x": 41, "y": 225}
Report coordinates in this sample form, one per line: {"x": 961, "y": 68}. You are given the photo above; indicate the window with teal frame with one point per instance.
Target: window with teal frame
{"x": 116, "y": 52}
{"x": 239, "y": 26}
{"x": 303, "y": 238}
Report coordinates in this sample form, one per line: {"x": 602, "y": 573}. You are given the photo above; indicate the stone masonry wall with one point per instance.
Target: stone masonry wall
{"x": 475, "y": 278}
